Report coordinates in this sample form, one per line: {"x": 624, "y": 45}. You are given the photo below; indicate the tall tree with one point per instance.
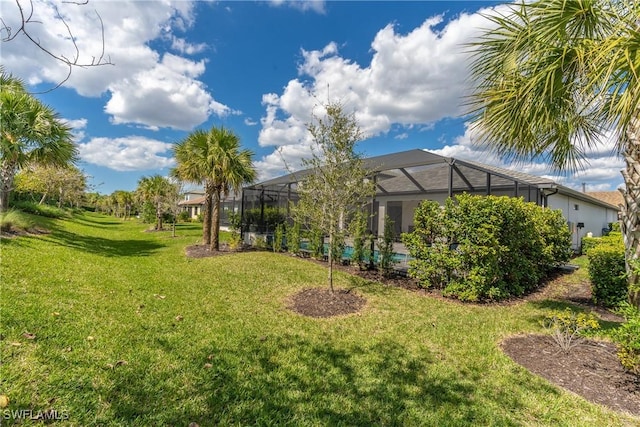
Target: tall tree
{"x": 157, "y": 190}
{"x": 30, "y": 133}
{"x": 215, "y": 159}
{"x": 552, "y": 78}
{"x": 67, "y": 184}
{"x": 337, "y": 184}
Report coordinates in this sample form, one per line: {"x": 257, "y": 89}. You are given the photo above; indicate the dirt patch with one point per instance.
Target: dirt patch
{"x": 18, "y": 232}
{"x": 321, "y": 302}
{"x": 591, "y": 369}
{"x": 203, "y": 251}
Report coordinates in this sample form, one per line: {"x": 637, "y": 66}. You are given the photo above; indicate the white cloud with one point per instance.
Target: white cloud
{"x": 250, "y": 122}
{"x": 139, "y": 71}
{"x": 166, "y": 95}
{"x": 414, "y": 79}
{"x": 317, "y": 6}
{"x": 78, "y": 126}
{"x": 184, "y": 47}
{"x": 600, "y": 172}
{"x": 134, "y": 153}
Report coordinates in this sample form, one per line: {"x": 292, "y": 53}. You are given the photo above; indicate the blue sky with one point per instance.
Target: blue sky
{"x": 261, "y": 68}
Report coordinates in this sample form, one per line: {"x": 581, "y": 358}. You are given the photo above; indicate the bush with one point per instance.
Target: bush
{"x": 278, "y": 238}
{"x": 614, "y": 237}
{"x": 385, "y": 246}
{"x": 568, "y": 328}
{"x": 41, "y": 210}
{"x": 15, "y": 220}
{"x": 235, "y": 238}
{"x": 479, "y": 248}
{"x": 608, "y": 274}
{"x": 265, "y": 220}
{"x": 183, "y": 216}
{"x": 361, "y": 254}
{"x": 293, "y": 238}
{"x": 316, "y": 243}
{"x": 628, "y": 338}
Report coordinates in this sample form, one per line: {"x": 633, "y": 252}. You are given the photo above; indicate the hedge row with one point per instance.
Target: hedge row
{"x": 486, "y": 247}
{"x": 607, "y": 269}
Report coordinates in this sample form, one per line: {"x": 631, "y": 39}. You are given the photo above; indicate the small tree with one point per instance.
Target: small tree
{"x": 361, "y": 248}
{"x": 278, "y": 237}
{"x": 337, "y": 183}
{"x": 293, "y": 238}
{"x": 386, "y": 247}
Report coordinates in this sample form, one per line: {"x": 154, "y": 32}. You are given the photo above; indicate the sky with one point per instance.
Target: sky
{"x": 261, "y": 69}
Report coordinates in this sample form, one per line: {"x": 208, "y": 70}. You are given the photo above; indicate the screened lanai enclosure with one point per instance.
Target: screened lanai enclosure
{"x": 402, "y": 181}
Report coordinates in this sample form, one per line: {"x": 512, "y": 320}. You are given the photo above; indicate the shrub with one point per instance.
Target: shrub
{"x": 607, "y": 273}
{"x": 568, "y": 328}
{"x": 183, "y": 216}
{"x": 41, "y": 210}
{"x": 278, "y": 238}
{"x": 265, "y": 219}
{"x": 479, "y": 247}
{"x": 614, "y": 238}
{"x": 385, "y": 246}
{"x": 293, "y": 238}
{"x": 361, "y": 249}
{"x": 259, "y": 242}
{"x": 316, "y": 243}
{"x": 15, "y": 220}
{"x": 628, "y": 338}
{"x": 235, "y": 238}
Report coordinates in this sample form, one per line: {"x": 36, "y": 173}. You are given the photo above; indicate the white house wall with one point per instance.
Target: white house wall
{"x": 594, "y": 217}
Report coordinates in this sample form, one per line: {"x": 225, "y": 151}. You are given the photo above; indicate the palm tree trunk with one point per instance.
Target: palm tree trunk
{"x": 206, "y": 215}
{"x": 7, "y": 173}
{"x": 215, "y": 221}
{"x": 630, "y": 213}
{"x": 158, "y": 217}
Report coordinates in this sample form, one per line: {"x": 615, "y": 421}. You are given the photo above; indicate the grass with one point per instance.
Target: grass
{"x": 130, "y": 332}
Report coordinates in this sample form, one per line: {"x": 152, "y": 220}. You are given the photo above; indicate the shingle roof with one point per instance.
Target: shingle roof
{"x": 612, "y": 197}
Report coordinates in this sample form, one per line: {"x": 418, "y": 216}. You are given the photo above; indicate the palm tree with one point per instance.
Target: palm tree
{"x": 30, "y": 132}
{"x": 552, "y": 78}
{"x": 157, "y": 190}
{"x": 213, "y": 158}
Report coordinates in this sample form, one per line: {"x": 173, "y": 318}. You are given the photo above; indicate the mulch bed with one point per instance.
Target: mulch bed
{"x": 591, "y": 369}
{"x": 203, "y": 251}
{"x": 321, "y": 302}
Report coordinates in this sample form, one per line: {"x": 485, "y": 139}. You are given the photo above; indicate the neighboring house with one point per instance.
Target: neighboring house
{"x": 194, "y": 204}
{"x": 406, "y": 178}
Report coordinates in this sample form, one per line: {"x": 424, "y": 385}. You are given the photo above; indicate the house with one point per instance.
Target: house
{"x": 406, "y": 178}
{"x": 194, "y": 204}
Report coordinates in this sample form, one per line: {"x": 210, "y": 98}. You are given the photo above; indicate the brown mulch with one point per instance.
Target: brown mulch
{"x": 18, "y": 232}
{"x": 591, "y": 369}
{"x": 321, "y": 302}
{"x": 203, "y": 251}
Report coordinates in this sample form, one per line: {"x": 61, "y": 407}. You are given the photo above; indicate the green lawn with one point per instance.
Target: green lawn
{"x": 128, "y": 331}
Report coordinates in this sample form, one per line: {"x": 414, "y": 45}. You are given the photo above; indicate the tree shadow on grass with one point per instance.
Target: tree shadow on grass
{"x": 102, "y": 246}
{"x": 291, "y": 380}
{"x": 84, "y": 220}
